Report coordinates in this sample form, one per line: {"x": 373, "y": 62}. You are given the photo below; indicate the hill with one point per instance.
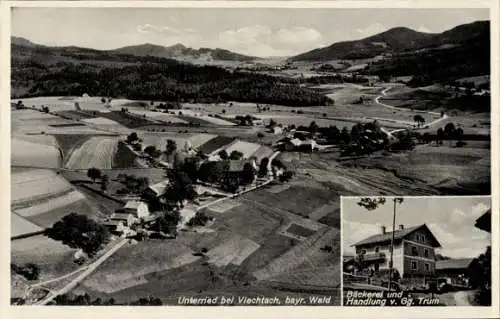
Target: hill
{"x": 179, "y": 51}
{"x": 54, "y": 71}
{"x": 398, "y": 40}
{"x": 393, "y": 40}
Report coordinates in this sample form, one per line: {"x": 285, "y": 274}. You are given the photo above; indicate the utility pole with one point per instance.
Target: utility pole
{"x": 391, "y": 261}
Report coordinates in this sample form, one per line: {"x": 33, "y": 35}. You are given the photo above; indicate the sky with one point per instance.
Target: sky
{"x": 451, "y": 220}
{"x": 259, "y": 32}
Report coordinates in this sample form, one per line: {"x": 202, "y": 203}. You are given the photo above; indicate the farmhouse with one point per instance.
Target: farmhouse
{"x": 155, "y": 190}
{"x": 457, "y": 271}
{"x": 120, "y": 221}
{"x": 296, "y": 144}
{"x": 413, "y": 256}
{"x": 136, "y": 208}
{"x": 276, "y": 129}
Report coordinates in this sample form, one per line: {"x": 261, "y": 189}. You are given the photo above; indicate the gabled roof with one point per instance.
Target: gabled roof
{"x": 461, "y": 263}
{"x": 159, "y": 188}
{"x": 119, "y": 216}
{"x": 238, "y": 165}
{"x": 398, "y": 235}
{"x": 133, "y": 204}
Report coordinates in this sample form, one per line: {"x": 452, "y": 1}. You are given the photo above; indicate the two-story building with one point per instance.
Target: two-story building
{"x": 413, "y": 255}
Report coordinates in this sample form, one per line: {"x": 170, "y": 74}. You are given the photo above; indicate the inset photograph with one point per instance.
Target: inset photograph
{"x": 416, "y": 251}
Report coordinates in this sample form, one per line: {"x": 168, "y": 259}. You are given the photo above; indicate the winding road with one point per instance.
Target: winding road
{"x": 428, "y": 125}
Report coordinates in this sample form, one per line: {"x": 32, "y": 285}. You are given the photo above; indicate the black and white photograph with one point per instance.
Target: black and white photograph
{"x": 416, "y": 251}
{"x": 196, "y": 156}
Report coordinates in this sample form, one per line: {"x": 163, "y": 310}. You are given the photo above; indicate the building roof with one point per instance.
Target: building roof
{"x": 238, "y": 165}
{"x": 484, "y": 221}
{"x": 159, "y": 188}
{"x": 119, "y": 216}
{"x": 461, "y": 263}
{"x": 133, "y": 204}
{"x": 398, "y": 235}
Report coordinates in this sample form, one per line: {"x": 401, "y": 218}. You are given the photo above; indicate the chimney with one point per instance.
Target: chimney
{"x": 382, "y": 230}
{"x": 401, "y": 227}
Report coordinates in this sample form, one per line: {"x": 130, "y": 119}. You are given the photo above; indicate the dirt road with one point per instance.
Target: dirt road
{"x": 83, "y": 275}
{"x": 428, "y": 125}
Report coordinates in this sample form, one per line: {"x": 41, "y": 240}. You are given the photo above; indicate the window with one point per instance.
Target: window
{"x": 413, "y": 265}
{"x": 377, "y": 249}
{"x": 427, "y": 267}
{"x": 426, "y": 252}
{"x": 423, "y": 238}
{"x": 414, "y": 251}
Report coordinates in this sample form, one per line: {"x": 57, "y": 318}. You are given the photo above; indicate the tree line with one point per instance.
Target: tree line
{"x": 165, "y": 80}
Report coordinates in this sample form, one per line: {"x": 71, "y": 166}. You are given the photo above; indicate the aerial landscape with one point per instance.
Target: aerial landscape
{"x": 186, "y": 174}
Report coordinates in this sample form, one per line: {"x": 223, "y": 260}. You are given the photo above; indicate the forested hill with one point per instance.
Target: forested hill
{"x": 400, "y": 40}
{"x": 46, "y": 71}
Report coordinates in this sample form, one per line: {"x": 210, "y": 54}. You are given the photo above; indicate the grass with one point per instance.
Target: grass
{"x": 53, "y": 258}
{"x": 299, "y": 230}
{"x": 76, "y": 115}
{"x": 69, "y": 142}
{"x": 215, "y": 143}
{"x": 124, "y": 157}
{"x": 128, "y": 120}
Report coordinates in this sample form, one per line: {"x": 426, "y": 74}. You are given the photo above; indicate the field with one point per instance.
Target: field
{"x": 269, "y": 241}
{"x": 96, "y": 152}
{"x": 53, "y": 257}
{"x": 25, "y": 153}
{"x": 39, "y": 198}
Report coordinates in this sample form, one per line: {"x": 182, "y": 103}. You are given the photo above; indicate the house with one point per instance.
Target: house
{"x": 137, "y": 209}
{"x": 296, "y": 144}
{"x": 413, "y": 255}
{"x": 236, "y": 168}
{"x": 484, "y": 221}
{"x": 276, "y": 129}
{"x": 119, "y": 221}
{"x": 456, "y": 271}
{"x": 155, "y": 190}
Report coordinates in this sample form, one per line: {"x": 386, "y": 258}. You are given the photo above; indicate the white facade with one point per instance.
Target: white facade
{"x": 137, "y": 208}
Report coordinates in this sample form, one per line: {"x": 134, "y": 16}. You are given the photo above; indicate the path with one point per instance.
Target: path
{"x": 81, "y": 277}
{"x": 428, "y": 125}
{"x": 244, "y": 191}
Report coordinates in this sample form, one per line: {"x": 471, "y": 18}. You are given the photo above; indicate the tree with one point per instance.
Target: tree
{"x": 94, "y": 173}
{"x": 313, "y": 127}
{"x": 263, "y": 167}
{"x": 190, "y": 167}
{"x": 272, "y": 124}
{"x": 236, "y": 155}
{"x": 78, "y": 231}
{"x": 439, "y": 136}
{"x": 260, "y": 135}
{"x": 104, "y": 182}
{"x": 449, "y": 131}
{"x": 132, "y": 137}
{"x": 345, "y": 137}
{"x": 171, "y": 147}
{"x": 459, "y": 133}
{"x": 223, "y": 154}
{"x": 419, "y": 119}
{"x": 248, "y": 174}
{"x": 152, "y": 151}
